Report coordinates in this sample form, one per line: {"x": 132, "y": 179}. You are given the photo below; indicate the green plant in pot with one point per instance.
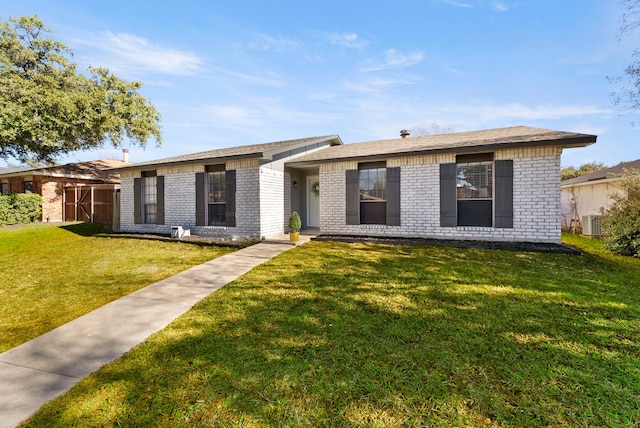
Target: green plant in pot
{"x": 294, "y": 226}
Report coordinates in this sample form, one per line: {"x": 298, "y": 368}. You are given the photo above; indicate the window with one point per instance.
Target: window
{"x": 373, "y": 195}
{"x": 474, "y": 180}
{"x": 150, "y": 200}
{"x": 148, "y": 192}
{"x": 4, "y": 188}
{"x": 372, "y": 178}
{"x": 28, "y": 187}
{"x": 474, "y": 190}
{"x": 217, "y": 198}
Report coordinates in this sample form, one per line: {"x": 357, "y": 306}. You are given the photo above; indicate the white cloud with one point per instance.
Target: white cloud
{"x": 496, "y": 5}
{"x": 499, "y": 6}
{"x": 261, "y": 79}
{"x": 128, "y": 52}
{"x": 262, "y": 112}
{"x": 455, "y": 3}
{"x": 376, "y": 83}
{"x": 269, "y": 43}
{"x": 349, "y": 40}
{"x": 396, "y": 59}
{"x": 516, "y": 111}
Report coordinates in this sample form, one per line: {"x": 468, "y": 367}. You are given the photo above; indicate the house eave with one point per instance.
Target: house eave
{"x": 207, "y": 161}
{"x": 581, "y": 141}
{"x": 589, "y": 183}
{"x": 267, "y": 155}
{"x": 36, "y": 173}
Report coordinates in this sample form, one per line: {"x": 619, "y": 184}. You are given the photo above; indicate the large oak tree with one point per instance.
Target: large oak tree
{"x": 48, "y": 108}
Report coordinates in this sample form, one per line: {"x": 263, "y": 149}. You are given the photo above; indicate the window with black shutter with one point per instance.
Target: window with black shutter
{"x": 373, "y": 194}
{"x": 476, "y": 191}
{"x": 215, "y": 197}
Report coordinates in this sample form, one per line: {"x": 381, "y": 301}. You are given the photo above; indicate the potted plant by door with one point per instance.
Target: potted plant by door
{"x": 294, "y": 226}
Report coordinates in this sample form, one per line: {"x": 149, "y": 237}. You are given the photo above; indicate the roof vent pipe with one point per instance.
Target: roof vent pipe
{"x": 404, "y": 133}
{"x": 125, "y": 155}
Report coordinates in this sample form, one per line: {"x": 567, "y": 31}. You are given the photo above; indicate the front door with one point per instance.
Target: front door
{"x": 313, "y": 201}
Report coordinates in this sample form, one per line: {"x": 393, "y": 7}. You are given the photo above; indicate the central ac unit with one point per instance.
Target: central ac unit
{"x": 592, "y": 225}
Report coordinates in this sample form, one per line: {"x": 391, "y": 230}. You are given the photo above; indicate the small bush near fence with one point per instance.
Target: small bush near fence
{"x": 20, "y": 208}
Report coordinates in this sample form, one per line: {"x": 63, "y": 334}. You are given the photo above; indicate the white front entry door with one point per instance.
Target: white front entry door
{"x": 313, "y": 201}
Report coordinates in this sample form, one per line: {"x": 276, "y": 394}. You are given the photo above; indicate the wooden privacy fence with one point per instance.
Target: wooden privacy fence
{"x": 93, "y": 203}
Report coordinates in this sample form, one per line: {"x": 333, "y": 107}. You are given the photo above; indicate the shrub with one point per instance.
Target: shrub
{"x": 6, "y": 211}
{"x": 294, "y": 222}
{"x": 20, "y": 208}
{"x": 622, "y": 219}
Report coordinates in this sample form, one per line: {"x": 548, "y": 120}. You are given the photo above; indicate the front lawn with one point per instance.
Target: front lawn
{"x": 50, "y": 275}
{"x": 332, "y": 334}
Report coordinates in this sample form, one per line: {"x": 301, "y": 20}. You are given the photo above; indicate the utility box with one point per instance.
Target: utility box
{"x": 592, "y": 225}
{"x": 177, "y": 232}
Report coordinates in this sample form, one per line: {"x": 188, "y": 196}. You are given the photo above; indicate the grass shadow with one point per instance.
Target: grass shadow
{"x": 85, "y": 229}
{"x": 367, "y": 335}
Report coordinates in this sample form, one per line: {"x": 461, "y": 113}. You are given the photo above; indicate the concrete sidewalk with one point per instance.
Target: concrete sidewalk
{"x": 38, "y": 371}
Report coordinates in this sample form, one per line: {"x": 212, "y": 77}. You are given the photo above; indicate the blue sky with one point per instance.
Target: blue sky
{"x": 244, "y": 72}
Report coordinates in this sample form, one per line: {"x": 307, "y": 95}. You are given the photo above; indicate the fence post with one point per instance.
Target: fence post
{"x": 92, "y": 206}
{"x": 75, "y": 203}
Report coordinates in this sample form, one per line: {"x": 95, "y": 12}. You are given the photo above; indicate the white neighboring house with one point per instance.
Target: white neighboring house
{"x": 497, "y": 184}
{"x": 585, "y": 197}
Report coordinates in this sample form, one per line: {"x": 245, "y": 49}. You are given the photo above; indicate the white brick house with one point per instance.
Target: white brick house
{"x": 240, "y": 191}
{"x": 499, "y": 184}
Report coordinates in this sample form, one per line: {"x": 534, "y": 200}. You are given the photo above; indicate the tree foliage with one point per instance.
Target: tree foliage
{"x": 628, "y": 96}
{"x": 433, "y": 129}
{"x": 587, "y": 168}
{"x": 48, "y": 108}
{"x": 621, "y": 219}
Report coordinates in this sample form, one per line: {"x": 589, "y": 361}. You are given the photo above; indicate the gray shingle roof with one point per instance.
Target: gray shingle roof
{"x": 6, "y": 170}
{"x": 460, "y": 142}
{"x": 96, "y": 169}
{"x": 255, "y": 150}
{"x": 603, "y": 174}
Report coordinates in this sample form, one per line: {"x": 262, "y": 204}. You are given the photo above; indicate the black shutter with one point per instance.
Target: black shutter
{"x": 200, "y": 200}
{"x": 160, "y": 199}
{"x": 504, "y": 194}
{"x": 137, "y": 200}
{"x": 393, "y": 196}
{"x": 353, "y": 197}
{"x": 448, "y": 195}
{"x": 230, "y": 197}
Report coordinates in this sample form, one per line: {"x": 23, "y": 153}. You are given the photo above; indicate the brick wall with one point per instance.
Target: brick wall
{"x": 180, "y": 201}
{"x": 272, "y": 205}
{"x": 51, "y": 190}
{"x": 536, "y": 199}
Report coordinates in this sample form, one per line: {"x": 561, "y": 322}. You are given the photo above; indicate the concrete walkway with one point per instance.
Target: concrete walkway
{"x": 38, "y": 371}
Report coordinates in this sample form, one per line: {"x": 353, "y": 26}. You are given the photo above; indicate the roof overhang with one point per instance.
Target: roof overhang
{"x": 589, "y": 183}
{"x": 37, "y": 173}
{"x": 266, "y": 155}
{"x": 581, "y": 140}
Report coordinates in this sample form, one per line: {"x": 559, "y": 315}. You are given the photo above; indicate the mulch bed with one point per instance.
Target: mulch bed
{"x": 483, "y": 245}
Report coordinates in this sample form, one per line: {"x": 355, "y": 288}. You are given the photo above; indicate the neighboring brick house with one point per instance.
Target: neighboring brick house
{"x": 585, "y": 197}
{"x": 500, "y": 184}
{"x": 50, "y": 182}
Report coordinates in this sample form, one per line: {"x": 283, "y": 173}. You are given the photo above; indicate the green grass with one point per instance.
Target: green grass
{"x": 50, "y": 275}
{"x": 366, "y": 335}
